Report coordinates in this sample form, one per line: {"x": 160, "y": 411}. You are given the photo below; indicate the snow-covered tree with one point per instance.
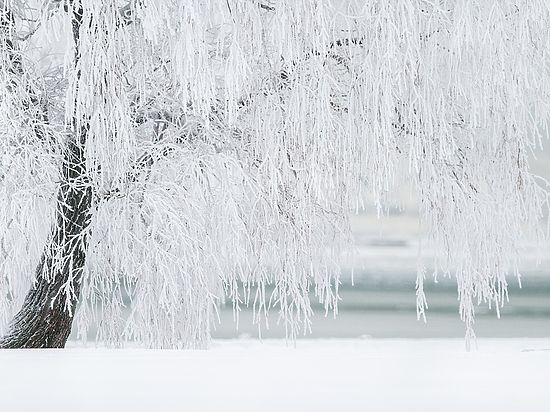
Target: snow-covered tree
{"x": 183, "y": 152}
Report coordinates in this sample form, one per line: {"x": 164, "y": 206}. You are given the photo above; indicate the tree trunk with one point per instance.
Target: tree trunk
{"x": 46, "y": 317}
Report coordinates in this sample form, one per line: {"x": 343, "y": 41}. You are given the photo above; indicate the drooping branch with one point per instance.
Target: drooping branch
{"x": 18, "y": 80}
{"x": 46, "y": 317}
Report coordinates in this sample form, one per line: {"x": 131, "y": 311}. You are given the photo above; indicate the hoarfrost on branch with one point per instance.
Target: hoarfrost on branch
{"x": 229, "y": 140}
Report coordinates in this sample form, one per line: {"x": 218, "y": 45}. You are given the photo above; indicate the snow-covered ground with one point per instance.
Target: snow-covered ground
{"x": 318, "y": 375}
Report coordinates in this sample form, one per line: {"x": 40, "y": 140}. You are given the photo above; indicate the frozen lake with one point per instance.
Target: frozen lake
{"x": 382, "y": 303}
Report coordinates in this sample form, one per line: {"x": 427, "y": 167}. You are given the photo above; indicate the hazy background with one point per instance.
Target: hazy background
{"x": 382, "y": 301}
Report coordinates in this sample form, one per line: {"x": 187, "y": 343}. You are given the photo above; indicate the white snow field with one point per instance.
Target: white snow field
{"x": 318, "y": 375}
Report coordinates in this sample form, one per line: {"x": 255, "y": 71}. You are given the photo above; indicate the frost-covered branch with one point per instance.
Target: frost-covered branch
{"x": 227, "y": 142}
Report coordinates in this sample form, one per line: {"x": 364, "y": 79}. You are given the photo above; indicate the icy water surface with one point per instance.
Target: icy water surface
{"x": 386, "y": 308}
{"x": 382, "y": 303}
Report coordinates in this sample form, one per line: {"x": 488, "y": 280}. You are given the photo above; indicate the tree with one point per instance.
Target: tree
{"x": 184, "y": 152}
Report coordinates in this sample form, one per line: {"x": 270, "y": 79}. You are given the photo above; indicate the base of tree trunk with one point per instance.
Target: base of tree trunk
{"x": 43, "y": 321}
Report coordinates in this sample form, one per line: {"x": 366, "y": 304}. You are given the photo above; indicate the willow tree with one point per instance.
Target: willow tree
{"x": 186, "y": 152}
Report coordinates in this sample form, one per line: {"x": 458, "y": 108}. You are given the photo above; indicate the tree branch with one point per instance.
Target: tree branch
{"x": 17, "y": 72}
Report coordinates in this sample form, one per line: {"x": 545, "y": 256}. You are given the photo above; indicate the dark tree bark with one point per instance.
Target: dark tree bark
{"x": 46, "y": 317}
